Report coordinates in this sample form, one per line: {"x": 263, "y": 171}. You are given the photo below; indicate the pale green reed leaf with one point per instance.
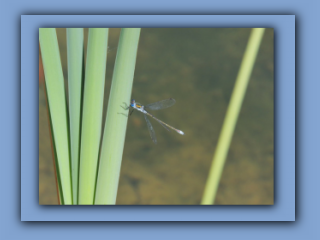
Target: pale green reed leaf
{"x": 92, "y": 112}
{"x": 116, "y": 120}
{"x": 75, "y": 62}
{"x": 232, "y": 116}
{"x": 58, "y": 109}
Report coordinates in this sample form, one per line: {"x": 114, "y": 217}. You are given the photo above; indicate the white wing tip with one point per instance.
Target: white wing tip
{"x": 180, "y": 132}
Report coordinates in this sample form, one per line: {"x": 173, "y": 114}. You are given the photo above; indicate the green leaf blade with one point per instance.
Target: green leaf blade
{"x": 75, "y": 61}
{"x": 116, "y": 120}
{"x": 92, "y": 112}
{"x": 57, "y": 105}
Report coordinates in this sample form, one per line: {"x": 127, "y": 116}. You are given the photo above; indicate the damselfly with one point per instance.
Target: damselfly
{"x": 154, "y": 106}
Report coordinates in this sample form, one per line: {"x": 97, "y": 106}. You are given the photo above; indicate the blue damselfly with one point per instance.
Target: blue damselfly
{"x": 154, "y": 106}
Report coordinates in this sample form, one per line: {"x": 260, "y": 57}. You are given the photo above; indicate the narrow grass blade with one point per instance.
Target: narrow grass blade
{"x": 57, "y": 106}
{"x": 75, "y": 61}
{"x": 232, "y": 115}
{"x": 92, "y": 112}
{"x": 116, "y": 120}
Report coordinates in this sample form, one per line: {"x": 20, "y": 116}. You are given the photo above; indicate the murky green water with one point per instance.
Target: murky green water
{"x": 198, "y": 68}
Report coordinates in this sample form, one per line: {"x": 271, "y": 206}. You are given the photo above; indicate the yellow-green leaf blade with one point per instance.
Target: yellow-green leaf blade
{"x": 116, "y": 120}
{"x": 57, "y": 105}
{"x": 92, "y": 112}
{"x": 75, "y": 62}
